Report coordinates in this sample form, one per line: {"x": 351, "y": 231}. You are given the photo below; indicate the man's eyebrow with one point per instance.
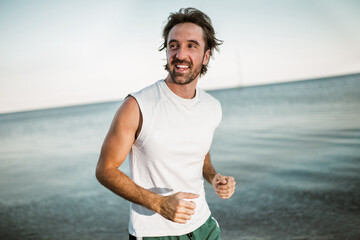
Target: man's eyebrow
{"x": 191, "y": 41}
{"x": 173, "y": 40}
{"x": 194, "y": 41}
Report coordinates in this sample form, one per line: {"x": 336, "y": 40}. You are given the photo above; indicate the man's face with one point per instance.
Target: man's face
{"x": 186, "y": 53}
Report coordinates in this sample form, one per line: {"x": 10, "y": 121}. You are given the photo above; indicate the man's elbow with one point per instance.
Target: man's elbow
{"x": 99, "y": 173}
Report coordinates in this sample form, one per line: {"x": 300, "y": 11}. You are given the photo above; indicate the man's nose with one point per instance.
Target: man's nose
{"x": 181, "y": 53}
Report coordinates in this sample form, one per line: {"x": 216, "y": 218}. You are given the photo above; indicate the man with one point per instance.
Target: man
{"x": 168, "y": 128}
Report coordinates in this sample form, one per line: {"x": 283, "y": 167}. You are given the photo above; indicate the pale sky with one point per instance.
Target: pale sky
{"x": 58, "y": 53}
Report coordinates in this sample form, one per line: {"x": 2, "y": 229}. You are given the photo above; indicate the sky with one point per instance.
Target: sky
{"x": 59, "y": 53}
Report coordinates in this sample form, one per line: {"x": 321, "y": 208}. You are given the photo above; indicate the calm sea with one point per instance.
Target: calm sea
{"x": 294, "y": 149}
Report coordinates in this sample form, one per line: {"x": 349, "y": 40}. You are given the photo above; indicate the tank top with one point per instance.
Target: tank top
{"x": 168, "y": 154}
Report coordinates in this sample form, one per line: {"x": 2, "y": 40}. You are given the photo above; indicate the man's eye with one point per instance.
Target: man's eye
{"x": 172, "y": 46}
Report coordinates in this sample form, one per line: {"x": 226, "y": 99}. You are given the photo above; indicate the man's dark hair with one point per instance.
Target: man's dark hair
{"x": 199, "y": 18}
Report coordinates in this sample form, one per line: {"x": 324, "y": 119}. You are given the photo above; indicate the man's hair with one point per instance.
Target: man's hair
{"x": 192, "y": 15}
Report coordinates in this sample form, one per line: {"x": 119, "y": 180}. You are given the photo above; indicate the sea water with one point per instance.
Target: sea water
{"x": 293, "y": 148}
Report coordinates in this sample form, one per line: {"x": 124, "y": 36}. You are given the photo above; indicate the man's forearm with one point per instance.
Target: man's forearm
{"x": 208, "y": 169}
{"x": 122, "y": 185}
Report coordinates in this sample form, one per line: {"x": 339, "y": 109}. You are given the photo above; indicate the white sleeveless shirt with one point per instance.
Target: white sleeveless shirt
{"x": 168, "y": 155}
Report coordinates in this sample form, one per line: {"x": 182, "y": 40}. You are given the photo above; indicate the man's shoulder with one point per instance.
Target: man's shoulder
{"x": 212, "y": 107}
{"x": 209, "y": 98}
{"x": 149, "y": 88}
{"x": 147, "y": 93}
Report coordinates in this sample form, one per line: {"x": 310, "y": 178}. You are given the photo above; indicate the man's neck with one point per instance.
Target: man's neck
{"x": 186, "y": 91}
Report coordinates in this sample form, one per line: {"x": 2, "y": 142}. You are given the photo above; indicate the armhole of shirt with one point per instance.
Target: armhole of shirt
{"x": 140, "y": 138}
{"x": 220, "y": 114}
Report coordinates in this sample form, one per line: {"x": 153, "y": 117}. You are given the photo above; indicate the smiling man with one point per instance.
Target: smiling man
{"x": 167, "y": 128}
{"x": 186, "y": 53}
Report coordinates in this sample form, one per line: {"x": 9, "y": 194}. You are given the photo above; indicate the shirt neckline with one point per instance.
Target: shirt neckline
{"x": 172, "y": 95}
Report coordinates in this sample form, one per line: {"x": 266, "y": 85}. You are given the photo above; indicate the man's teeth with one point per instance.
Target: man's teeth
{"x": 182, "y": 66}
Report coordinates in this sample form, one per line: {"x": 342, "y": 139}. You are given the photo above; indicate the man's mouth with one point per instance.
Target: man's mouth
{"x": 182, "y": 67}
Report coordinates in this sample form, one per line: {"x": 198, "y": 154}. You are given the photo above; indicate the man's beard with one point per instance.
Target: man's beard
{"x": 189, "y": 77}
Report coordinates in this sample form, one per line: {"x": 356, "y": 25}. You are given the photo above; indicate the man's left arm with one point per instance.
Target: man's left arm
{"x": 224, "y": 186}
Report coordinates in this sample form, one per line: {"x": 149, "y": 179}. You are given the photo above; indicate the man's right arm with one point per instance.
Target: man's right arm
{"x": 116, "y": 146}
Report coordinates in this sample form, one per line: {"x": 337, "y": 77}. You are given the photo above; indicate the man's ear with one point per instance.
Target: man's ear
{"x": 206, "y": 57}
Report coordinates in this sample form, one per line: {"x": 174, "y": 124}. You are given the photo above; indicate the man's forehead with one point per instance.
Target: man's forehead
{"x": 186, "y": 32}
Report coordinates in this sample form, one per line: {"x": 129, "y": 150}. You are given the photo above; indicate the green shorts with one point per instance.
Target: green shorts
{"x": 208, "y": 231}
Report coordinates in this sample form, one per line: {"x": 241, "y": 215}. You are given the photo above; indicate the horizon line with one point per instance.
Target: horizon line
{"x": 208, "y": 90}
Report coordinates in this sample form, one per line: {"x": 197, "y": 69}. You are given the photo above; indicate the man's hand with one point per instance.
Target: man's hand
{"x": 224, "y": 186}
{"x": 176, "y": 209}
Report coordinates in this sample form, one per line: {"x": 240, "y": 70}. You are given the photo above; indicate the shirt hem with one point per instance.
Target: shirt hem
{"x": 173, "y": 233}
